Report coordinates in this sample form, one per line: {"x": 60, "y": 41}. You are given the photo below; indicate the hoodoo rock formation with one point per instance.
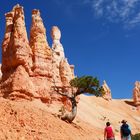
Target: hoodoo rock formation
{"x": 15, "y": 48}
{"x": 136, "y": 94}
{"x": 31, "y": 68}
{"x": 58, "y": 54}
{"x": 42, "y": 53}
{"x": 107, "y": 91}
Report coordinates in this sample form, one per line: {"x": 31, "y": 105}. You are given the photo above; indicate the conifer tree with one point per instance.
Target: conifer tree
{"x": 84, "y": 84}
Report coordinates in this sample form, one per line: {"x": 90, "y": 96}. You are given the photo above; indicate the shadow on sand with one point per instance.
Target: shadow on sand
{"x": 130, "y": 103}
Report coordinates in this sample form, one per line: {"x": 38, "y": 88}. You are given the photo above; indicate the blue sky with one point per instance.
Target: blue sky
{"x": 100, "y": 37}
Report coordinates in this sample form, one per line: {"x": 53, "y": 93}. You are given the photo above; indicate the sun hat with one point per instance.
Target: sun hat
{"x": 123, "y": 121}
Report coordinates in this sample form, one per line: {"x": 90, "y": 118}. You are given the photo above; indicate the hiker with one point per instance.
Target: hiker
{"x": 125, "y": 131}
{"x": 108, "y": 132}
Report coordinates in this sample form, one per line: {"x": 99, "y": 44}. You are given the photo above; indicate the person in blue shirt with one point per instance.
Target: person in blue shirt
{"x": 125, "y": 131}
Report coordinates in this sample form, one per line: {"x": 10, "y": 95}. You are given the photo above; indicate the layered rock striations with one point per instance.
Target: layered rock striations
{"x": 15, "y": 48}
{"x": 42, "y": 53}
{"x": 31, "y": 68}
{"x": 16, "y": 55}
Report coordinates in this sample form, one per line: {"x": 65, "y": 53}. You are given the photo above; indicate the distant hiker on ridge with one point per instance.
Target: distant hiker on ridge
{"x": 108, "y": 132}
{"x": 125, "y": 131}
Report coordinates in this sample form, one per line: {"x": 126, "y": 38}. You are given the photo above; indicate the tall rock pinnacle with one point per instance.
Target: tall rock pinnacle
{"x": 15, "y": 49}
{"x": 42, "y": 54}
{"x": 107, "y": 90}
{"x": 7, "y": 42}
{"x": 58, "y": 54}
{"x": 136, "y": 94}
{"x": 58, "y": 51}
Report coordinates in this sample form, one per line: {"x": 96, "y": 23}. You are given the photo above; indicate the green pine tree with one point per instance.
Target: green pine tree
{"x": 84, "y": 84}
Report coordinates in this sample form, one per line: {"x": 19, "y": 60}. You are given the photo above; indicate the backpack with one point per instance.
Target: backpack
{"x": 125, "y": 130}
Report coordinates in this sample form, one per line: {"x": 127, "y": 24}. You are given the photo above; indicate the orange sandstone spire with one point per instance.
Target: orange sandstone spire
{"x": 42, "y": 53}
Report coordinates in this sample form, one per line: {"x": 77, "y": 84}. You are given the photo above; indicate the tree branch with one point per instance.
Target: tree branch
{"x": 60, "y": 90}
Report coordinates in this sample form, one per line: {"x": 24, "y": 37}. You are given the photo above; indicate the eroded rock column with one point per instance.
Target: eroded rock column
{"x": 42, "y": 54}
{"x": 15, "y": 48}
{"x": 58, "y": 55}
{"x": 107, "y": 91}
{"x": 16, "y": 57}
{"x": 136, "y": 94}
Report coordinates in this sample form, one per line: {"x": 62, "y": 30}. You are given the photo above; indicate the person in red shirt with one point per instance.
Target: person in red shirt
{"x": 108, "y": 132}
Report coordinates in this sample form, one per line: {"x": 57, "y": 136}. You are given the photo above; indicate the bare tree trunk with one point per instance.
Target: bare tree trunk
{"x": 71, "y": 116}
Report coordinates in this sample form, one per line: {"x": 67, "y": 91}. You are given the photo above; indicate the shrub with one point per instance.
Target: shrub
{"x": 136, "y": 137}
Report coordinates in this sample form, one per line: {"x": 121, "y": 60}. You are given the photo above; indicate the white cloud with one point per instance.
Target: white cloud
{"x": 135, "y": 21}
{"x": 125, "y": 11}
{"x": 97, "y": 5}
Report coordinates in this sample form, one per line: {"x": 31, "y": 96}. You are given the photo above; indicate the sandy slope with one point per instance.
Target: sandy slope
{"x": 24, "y": 120}
{"x": 97, "y": 111}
